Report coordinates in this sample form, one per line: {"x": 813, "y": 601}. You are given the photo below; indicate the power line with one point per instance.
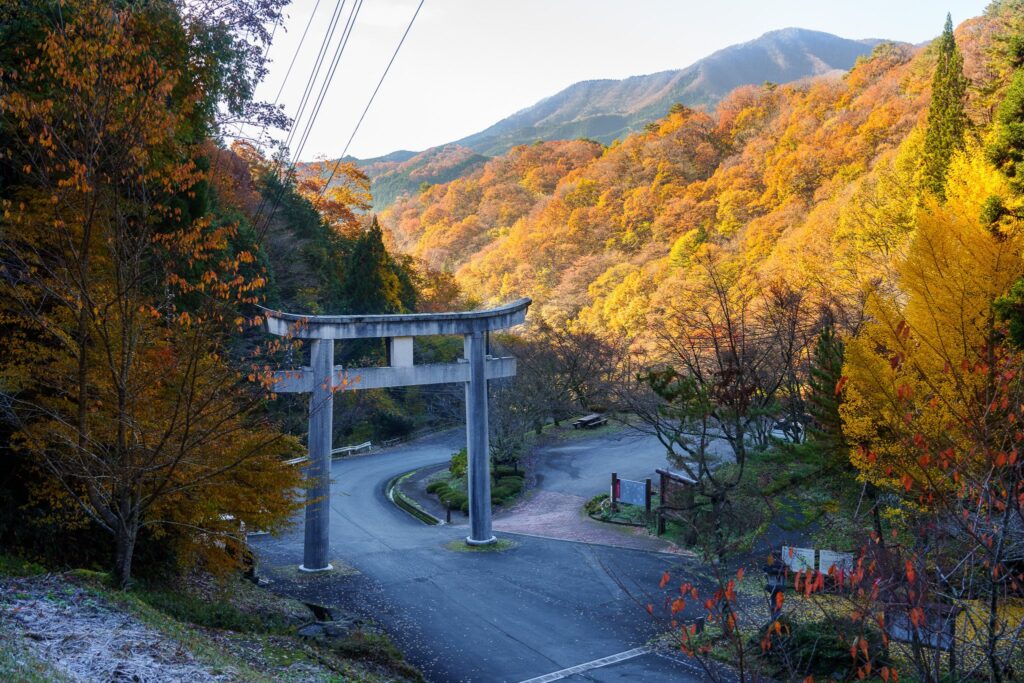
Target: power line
{"x": 345, "y": 35}
{"x": 324, "y": 87}
{"x": 291, "y": 64}
{"x": 366, "y": 109}
{"x": 339, "y": 8}
{"x": 337, "y": 164}
{"x": 321, "y": 53}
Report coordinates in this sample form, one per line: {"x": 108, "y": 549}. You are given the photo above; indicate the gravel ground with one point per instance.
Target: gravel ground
{"x": 559, "y": 515}
{"x": 88, "y": 639}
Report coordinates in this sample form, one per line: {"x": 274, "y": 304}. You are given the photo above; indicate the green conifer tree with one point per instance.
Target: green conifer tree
{"x": 947, "y": 120}
{"x": 826, "y": 430}
{"x": 1006, "y": 146}
{"x": 370, "y": 283}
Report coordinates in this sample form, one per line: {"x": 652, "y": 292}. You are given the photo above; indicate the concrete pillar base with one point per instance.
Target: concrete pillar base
{"x": 489, "y": 541}
{"x": 303, "y": 568}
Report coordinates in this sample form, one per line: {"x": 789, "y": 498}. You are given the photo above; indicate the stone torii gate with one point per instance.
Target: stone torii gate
{"x": 322, "y": 378}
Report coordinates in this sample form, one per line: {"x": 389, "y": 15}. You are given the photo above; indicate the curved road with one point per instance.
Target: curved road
{"x": 538, "y": 608}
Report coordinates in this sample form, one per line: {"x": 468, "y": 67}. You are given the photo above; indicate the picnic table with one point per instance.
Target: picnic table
{"x": 590, "y": 421}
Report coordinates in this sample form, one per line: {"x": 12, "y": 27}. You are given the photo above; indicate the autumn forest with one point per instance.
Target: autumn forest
{"x": 802, "y": 302}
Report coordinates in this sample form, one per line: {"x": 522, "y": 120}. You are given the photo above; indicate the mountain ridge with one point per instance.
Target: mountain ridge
{"x": 607, "y": 109}
{"x": 627, "y": 104}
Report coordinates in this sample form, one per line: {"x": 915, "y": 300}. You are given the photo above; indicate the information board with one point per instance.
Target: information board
{"x": 632, "y": 492}
{"x": 798, "y": 559}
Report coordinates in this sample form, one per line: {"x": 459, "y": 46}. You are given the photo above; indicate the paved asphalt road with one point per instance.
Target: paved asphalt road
{"x": 537, "y": 608}
{"x": 582, "y": 466}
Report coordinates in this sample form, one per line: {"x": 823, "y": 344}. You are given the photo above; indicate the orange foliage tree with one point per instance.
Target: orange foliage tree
{"x": 120, "y": 290}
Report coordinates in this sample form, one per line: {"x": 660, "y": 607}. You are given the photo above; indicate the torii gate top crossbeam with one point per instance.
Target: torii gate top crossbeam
{"x": 396, "y": 325}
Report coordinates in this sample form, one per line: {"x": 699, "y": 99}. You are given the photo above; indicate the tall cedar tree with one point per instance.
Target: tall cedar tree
{"x": 825, "y": 383}
{"x": 947, "y": 120}
{"x": 373, "y": 281}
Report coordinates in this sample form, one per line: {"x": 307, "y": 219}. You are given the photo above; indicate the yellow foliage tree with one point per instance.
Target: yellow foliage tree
{"x": 915, "y": 366}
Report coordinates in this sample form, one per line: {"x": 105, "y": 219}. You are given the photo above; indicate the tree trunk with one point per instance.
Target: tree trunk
{"x": 126, "y": 534}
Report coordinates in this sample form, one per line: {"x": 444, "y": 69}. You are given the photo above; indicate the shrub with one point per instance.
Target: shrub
{"x": 820, "y": 649}
{"x": 595, "y": 504}
{"x": 501, "y": 471}
{"x": 515, "y": 484}
{"x": 376, "y": 648}
{"x": 499, "y": 494}
{"x": 15, "y": 566}
{"x": 459, "y": 463}
{"x": 454, "y": 499}
{"x": 217, "y": 614}
{"x": 437, "y": 486}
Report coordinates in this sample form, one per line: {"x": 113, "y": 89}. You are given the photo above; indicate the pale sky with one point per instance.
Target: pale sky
{"x": 469, "y": 63}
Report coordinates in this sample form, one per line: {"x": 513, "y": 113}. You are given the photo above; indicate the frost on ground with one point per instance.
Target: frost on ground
{"x": 87, "y": 639}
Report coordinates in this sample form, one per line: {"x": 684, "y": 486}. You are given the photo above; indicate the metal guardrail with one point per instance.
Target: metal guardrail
{"x": 337, "y": 452}
{"x": 348, "y": 450}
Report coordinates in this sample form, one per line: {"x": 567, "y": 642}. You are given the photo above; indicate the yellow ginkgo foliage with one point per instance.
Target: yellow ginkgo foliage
{"x": 917, "y": 366}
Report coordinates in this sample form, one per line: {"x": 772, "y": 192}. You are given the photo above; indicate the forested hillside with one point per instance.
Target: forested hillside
{"x": 816, "y": 183}
{"x": 607, "y": 109}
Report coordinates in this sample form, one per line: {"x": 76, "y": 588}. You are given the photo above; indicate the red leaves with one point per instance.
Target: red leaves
{"x": 911, "y": 573}
{"x": 664, "y": 580}
{"x": 840, "y": 384}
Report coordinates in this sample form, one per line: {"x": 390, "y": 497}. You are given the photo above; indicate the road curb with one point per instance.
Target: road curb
{"x": 683, "y": 554}
{"x": 404, "y": 502}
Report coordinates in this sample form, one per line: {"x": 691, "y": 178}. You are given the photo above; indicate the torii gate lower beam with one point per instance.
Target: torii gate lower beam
{"x": 322, "y": 378}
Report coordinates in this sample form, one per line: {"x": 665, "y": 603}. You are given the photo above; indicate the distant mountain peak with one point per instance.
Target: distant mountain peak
{"x": 604, "y": 109}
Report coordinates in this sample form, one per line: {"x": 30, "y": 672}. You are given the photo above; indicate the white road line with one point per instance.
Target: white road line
{"x": 596, "y": 664}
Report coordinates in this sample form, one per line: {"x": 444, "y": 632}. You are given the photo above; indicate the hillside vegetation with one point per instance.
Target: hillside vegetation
{"x": 816, "y": 182}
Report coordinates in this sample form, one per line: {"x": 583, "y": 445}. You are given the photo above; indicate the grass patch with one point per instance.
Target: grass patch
{"x": 378, "y": 649}
{"x": 16, "y": 566}
{"x": 460, "y": 546}
{"x": 219, "y": 614}
{"x": 292, "y": 572}
{"x": 599, "y": 508}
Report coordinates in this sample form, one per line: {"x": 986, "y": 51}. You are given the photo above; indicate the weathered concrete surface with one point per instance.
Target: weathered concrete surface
{"x": 479, "y": 454}
{"x": 403, "y": 325}
{"x": 318, "y": 491}
{"x": 304, "y": 379}
{"x": 322, "y": 378}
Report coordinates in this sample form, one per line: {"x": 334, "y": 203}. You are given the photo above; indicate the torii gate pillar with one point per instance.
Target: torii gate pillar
{"x": 318, "y": 489}
{"x": 322, "y": 378}
{"x": 478, "y": 457}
